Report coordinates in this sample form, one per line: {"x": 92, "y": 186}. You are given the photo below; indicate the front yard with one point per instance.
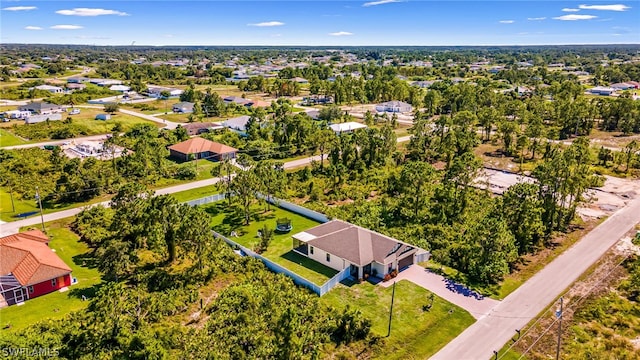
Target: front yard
{"x": 57, "y": 305}
{"x": 228, "y": 219}
{"x": 416, "y": 333}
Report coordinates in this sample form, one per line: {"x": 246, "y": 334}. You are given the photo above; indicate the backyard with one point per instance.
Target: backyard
{"x": 227, "y": 219}
{"x": 8, "y": 139}
{"x": 57, "y": 304}
{"x": 416, "y": 333}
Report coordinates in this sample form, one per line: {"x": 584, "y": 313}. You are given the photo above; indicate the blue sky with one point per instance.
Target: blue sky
{"x": 306, "y": 22}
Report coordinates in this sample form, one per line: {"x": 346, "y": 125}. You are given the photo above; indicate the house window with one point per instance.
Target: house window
{"x": 30, "y": 288}
{"x": 54, "y": 282}
{"x": 311, "y": 250}
{"x": 328, "y": 257}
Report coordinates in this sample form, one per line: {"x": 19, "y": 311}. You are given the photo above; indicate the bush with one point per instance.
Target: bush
{"x": 186, "y": 173}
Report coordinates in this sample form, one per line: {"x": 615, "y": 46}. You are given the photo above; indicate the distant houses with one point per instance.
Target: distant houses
{"x": 41, "y": 108}
{"x": 157, "y": 91}
{"x": 198, "y": 128}
{"x": 347, "y": 127}
{"x": 602, "y": 90}
{"x": 394, "y": 106}
{"x": 183, "y": 107}
{"x": 237, "y": 124}
{"x": 50, "y": 88}
{"x": 199, "y": 148}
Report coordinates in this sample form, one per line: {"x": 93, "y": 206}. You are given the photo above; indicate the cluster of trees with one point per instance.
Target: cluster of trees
{"x": 65, "y": 180}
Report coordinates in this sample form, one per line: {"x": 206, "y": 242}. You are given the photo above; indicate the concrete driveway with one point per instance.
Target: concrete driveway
{"x": 477, "y": 305}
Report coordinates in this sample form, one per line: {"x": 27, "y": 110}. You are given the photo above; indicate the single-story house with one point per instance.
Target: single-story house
{"x": 394, "y": 106}
{"x": 103, "y": 117}
{"x": 120, "y": 88}
{"x": 313, "y": 114}
{"x": 602, "y": 90}
{"x": 198, "y": 128}
{"x": 105, "y": 82}
{"x": 17, "y": 114}
{"x": 32, "y": 119}
{"x": 624, "y": 86}
{"x": 76, "y": 86}
{"x": 340, "y": 245}
{"x": 49, "y": 88}
{"x": 346, "y": 127}
{"x": 238, "y": 124}
{"x": 183, "y": 107}
{"x": 156, "y": 91}
{"x": 237, "y": 100}
{"x": 300, "y": 80}
{"x": 29, "y": 268}
{"x": 423, "y": 84}
{"x": 41, "y": 108}
{"x": 202, "y": 149}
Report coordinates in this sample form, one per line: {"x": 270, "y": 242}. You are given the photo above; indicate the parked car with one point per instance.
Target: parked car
{"x": 74, "y": 111}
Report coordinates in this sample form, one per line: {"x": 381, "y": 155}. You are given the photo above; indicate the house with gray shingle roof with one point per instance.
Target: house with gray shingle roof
{"x": 340, "y": 245}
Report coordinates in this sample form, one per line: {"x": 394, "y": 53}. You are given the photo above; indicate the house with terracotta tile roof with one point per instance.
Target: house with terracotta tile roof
{"x": 340, "y": 245}
{"x": 201, "y": 149}
{"x": 29, "y": 268}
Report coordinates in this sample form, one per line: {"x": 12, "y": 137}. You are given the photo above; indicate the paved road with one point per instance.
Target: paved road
{"x": 457, "y": 294}
{"x": 57, "y": 142}
{"x": 167, "y": 124}
{"x": 14, "y": 226}
{"x": 518, "y": 309}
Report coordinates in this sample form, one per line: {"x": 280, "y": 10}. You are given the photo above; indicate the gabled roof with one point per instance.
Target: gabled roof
{"x": 38, "y": 106}
{"x": 358, "y": 245}
{"x": 199, "y": 145}
{"x": 27, "y": 257}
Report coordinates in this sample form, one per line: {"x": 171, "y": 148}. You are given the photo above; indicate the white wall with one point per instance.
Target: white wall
{"x": 320, "y": 256}
{"x": 380, "y": 269}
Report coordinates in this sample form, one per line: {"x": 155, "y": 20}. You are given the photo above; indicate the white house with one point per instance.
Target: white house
{"x": 340, "y": 245}
{"x": 156, "y": 91}
{"x": 17, "y": 114}
{"x": 394, "y": 106}
{"x": 237, "y": 124}
{"x": 120, "y": 88}
{"x": 49, "y": 88}
{"x": 602, "y": 90}
{"x": 346, "y": 127}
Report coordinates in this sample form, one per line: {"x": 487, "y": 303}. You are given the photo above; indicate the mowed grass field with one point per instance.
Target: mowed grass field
{"x": 416, "y": 332}
{"x": 57, "y": 305}
{"x": 9, "y": 139}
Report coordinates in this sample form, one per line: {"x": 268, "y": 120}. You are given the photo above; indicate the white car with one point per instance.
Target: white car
{"x": 74, "y": 111}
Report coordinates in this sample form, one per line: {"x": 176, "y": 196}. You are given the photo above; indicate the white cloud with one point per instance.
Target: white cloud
{"x": 570, "y": 10}
{"x": 537, "y": 18}
{"x": 32, "y": 27}
{"x": 267, "y": 24}
{"x": 19, "y": 8}
{"x": 612, "y": 7}
{"x": 66, "y": 27}
{"x": 574, "y": 17}
{"x": 90, "y": 12}
{"x": 380, "y": 2}
{"x": 506, "y": 21}
{"x": 340, "y": 33}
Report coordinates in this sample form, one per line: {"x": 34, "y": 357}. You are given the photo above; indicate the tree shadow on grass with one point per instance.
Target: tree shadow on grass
{"x": 308, "y": 263}
{"x": 85, "y": 260}
{"x": 85, "y": 293}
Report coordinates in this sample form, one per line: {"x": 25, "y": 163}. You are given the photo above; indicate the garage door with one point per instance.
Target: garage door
{"x": 404, "y": 262}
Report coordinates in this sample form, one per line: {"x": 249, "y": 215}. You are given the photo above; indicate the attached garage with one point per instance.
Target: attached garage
{"x": 405, "y": 261}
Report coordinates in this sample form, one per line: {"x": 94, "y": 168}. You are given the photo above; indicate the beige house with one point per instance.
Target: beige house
{"x": 339, "y": 244}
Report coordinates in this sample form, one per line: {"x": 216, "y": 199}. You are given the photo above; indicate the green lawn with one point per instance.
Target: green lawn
{"x": 57, "y": 305}
{"x": 8, "y": 139}
{"x": 280, "y": 251}
{"x": 415, "y": 333}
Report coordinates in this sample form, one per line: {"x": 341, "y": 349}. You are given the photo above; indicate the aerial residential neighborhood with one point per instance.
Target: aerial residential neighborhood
{"x": 306, "y": 180}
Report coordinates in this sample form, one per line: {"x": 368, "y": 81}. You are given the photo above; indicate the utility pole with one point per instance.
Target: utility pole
{"x": 393, "y": 295}
{"x": 559, "y": 316}
{"x": 13, "y": 207}
{"x": 40, "y": 205}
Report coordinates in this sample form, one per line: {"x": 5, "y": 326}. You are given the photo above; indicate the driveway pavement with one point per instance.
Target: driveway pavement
{"x": 477, "y": 305}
